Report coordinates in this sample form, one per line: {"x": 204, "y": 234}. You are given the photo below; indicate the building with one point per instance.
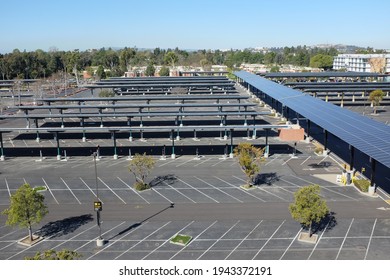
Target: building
{"x": 375, "y": 63}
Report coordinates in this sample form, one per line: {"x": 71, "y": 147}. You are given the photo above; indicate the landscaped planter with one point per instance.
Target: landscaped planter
{"x": 181, "y": 239}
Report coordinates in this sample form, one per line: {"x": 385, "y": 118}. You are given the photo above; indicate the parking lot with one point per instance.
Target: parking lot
{"x": 200, "y": 197}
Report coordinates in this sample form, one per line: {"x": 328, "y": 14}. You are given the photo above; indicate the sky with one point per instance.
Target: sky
{"x": 191, "y": 24}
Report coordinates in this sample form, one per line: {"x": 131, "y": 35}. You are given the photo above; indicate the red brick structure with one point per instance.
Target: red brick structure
{"x": 292, "y": 134}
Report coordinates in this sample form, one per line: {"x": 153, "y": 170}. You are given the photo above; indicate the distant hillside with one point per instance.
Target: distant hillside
{"x": 339, "y": 47}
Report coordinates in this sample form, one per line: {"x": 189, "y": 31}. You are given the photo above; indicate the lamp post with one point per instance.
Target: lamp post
{"x": 97, "y": 205}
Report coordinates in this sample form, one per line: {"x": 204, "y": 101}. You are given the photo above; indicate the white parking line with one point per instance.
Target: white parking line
{"x": 53, "y": 247}
{"x": 89, "y": 188}
{"x": 197, "y": 190}
{"x": 111, "y": 229}
{"x": 179, "y": 192}
{"x": 306, "y": 181}
{"x": 142, "y": 240}
{"x": 296, "y": 236}
{"x": 6, "y": 183}
{"x": 70, "y": 190}
{"x": 77, "y": 165}
{"x": 132, "y": 189}
{"x": 203, "y": 161}
{"x": 284, "y": 163}
{"x": 238, "y": 245}
{"x": 345, "y": 237}
{"x": 218, "y": 162}
{"x": 262, "y": 247}
{"x": 369, "y": 241}
{"x": 112, "y": 191}
{"x": 47, "y": 186}
{"x": 246, "y": 192}
{"x": 285, "y": 190}
{"x": 347, "y": 196}
{"x": 12, "y": 142}
{"x": 10, "y": 233}
{"x": 154, "y": 190}
{"x": 118, "y": 161}
{"x": 168, "y": 162}
{"x": 208, "y": 249}
{"x": 184, "y": 162}
{"x": 382, "y": 193}
{"x": 167, "y": 241}
{"x": 322, "y": 160}
{"x": 264, "y": 190}
{"x": 218, "y": 189}
{"x": 195, "y": 238}
{"x": 114, "y": 241}
{"x": 66, "y": 240}
{"x": 305, "y": 160}
{"x": 268, "y": 162}
{"x": 318, "y": 241}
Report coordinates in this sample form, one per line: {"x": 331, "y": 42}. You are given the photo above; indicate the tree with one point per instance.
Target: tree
{"x": 125, "y": 57}
{"x": 376, "y": 96}
{"x": 249, "y": 158}
{"x": 308, "y": 206}
{"x": 170, "y": 58}
{"x": 164, "y": 71}
{"x": 150, "y": 70}
{"x": 141, "y": 166}
{"x": 55, "y": 255}
{"x": 27, "y": 208}
{"x": 322, "y": 61}
{"x": 100, "y": 72}
{"x": 275, "y": 69}
{"x": 205, "y": 64}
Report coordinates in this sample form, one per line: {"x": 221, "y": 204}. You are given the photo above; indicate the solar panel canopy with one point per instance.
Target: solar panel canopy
{"x": 367, "y": 135}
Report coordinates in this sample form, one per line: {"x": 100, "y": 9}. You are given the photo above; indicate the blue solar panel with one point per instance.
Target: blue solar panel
{"x": 368, "y": 136}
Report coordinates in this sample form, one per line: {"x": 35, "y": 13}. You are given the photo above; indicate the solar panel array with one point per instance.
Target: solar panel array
{"x": 322, "y": 74}
{"x": 368, "y": 136}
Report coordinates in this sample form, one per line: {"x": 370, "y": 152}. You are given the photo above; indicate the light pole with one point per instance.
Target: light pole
{"x": 97, "y": 205}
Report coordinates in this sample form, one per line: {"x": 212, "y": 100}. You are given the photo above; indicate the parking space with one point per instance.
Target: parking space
{"x": 235, "y": 239}
{"x": 187, "y": 181}
{"x": 74, "y": 182}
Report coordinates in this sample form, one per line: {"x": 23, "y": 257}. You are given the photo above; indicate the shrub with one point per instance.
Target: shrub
{"x": 319, "y": 150}
{"x": 139, "y": 186}
{"x": 362, "y": 184}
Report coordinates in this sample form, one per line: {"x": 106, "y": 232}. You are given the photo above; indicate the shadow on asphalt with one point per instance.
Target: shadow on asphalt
{"x": 169, "y": 179}
{"x": 327, "y": 223}
{"x": 63, "y": 227}
{"x": 323, "y": 164}
{"x": 134, "y": 226}
{"x": 266, "y": 178}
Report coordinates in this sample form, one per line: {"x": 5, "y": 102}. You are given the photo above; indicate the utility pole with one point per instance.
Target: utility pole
{"x": 97, "y": 205}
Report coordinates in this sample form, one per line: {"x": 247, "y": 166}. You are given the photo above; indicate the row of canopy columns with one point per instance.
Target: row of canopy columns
{"x": 342, "y": 95}
{"x": 168, "y": 90}
{"x": 113, "y": 132}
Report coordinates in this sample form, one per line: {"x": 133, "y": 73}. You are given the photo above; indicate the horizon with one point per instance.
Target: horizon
{"x": 193, "y": 25}
{"x": 193, "y": 50}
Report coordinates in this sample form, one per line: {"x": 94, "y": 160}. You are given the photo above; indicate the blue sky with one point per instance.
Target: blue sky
{"x": 191, "y": 24}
